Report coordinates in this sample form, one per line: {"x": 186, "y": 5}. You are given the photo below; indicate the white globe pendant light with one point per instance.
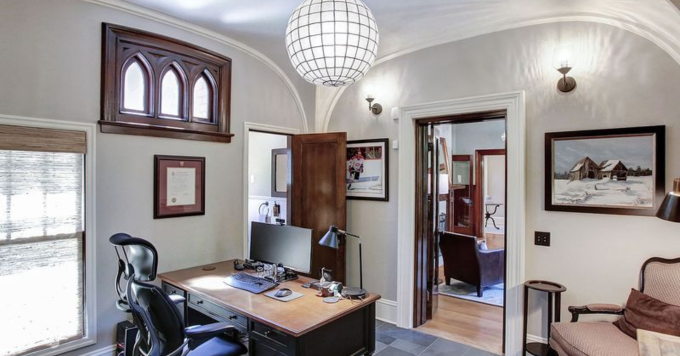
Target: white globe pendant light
{"x": 332, "y": 42}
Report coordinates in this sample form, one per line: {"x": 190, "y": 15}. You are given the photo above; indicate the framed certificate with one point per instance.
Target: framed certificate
{"x": 179, "y": 186}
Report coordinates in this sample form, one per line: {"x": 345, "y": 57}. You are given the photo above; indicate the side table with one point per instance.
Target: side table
{"x": 553, "y": 289}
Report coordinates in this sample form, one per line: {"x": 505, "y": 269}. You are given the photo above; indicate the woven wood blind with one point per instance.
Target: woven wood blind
{"x": 41, "y": 240}
{"x": 22, "y": 138}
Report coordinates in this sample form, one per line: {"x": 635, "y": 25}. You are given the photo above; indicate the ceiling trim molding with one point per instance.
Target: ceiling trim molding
{"x": 212, "y": 35}
{"x": 667, "y": 44}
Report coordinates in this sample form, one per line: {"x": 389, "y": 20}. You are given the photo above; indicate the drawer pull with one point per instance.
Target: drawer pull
{"x": 173, "y": 292}
{"x": 266, "y": 333}
{"x": 199, "y": 302}
{"x": 233, "y": 317}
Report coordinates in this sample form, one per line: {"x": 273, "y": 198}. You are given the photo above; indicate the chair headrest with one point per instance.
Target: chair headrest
{"x": 139, "y": 254}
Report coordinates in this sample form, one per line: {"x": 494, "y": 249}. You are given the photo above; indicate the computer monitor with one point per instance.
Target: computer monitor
{"x": 288, "y": 245}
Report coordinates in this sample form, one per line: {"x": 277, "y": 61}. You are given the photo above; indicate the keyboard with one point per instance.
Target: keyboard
{"x": 249, "y": 283}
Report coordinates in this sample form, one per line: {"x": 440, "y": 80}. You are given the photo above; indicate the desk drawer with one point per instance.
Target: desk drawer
{"x": 224, "y": 313}
{"x": 172, "y": 290}
{"x": 268, "y": 333}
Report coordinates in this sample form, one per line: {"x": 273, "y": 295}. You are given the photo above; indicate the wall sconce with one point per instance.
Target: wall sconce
{"x": 563, "y": 61}
{"x": 376, "y": 108}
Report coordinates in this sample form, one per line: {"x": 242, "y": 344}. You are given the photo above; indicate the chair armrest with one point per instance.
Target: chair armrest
{"x": 493, "y": 257}
{"x": 611, "y": 309}
{"x": 177, "y": 299}
{"x": 199, "y": 334}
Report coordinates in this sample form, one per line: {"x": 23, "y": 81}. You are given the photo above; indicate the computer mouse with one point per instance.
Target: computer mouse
{"x": 283, "y": 292}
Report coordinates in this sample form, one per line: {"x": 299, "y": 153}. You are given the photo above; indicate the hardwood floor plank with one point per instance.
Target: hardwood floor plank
{"x": 470, "y": 323}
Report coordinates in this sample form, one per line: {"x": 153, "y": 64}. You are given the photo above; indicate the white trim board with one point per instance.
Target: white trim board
{"x": 90, "y": 323}
{"x": 386, "y": 310}
{"x": 513, "y": 103}
{"x": 247, "y": 127}
{"x": 213, "y": 35}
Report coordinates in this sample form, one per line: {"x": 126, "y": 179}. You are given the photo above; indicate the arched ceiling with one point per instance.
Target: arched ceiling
{"x": 406, "y": 25}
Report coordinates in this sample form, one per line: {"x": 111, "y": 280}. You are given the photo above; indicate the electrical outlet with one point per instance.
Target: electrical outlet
{"x": 541, "y": 238}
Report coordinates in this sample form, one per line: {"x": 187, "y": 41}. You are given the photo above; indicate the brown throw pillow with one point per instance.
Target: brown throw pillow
{"x": 647, "y": 313}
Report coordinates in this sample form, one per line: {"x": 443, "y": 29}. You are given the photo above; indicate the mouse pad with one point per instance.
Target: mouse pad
{"x": 294, "y": 295}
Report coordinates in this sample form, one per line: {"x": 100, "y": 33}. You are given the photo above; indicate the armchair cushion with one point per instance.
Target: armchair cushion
{"x": 591, "y": 339}
{"x": 645, "y": 312}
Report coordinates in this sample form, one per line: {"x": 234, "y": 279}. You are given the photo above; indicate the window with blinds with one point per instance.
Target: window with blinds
{"x": 41, "y": 239}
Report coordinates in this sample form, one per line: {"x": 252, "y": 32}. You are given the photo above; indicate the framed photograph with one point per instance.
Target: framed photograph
{"x": 614, "y": 171}
{"x": 179, "y": 186}
{"x": 368, "y": 169}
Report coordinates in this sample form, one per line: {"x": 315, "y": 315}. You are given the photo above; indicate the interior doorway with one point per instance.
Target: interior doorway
{"x": 268, "y": 175}
{"x": 460, "y": 174}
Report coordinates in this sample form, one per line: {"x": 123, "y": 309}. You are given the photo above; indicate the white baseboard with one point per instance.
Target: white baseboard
{"x": 386, "y": 310}
{"x": 535, "y": 338}
{"x": 104, "y": 351}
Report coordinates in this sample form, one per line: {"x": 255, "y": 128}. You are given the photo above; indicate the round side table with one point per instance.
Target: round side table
{"x": 553, "y": 289}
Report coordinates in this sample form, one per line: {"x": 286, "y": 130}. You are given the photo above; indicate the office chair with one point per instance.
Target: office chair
{"x": 161, "y": 328}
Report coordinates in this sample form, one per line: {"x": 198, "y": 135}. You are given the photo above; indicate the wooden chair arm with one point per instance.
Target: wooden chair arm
{"x": 611, "y": 309}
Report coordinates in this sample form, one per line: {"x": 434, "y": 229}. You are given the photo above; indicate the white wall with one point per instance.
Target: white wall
{"x": 50, "y": 68}
{"x": 494, "y": 183}
{"x": 623, "y": 80}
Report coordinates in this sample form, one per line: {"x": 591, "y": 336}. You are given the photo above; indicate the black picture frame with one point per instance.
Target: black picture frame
{"x": 161, "y": 210}
{"x": 658, "y": 170}
{"x": 385, "y": 172}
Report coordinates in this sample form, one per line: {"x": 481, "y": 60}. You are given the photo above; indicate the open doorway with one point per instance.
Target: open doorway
{"x": 268, "y": 178}
{"x": 460, "y": 223}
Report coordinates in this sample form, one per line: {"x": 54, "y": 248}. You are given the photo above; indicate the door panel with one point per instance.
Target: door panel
{"x": 319, "y": 194}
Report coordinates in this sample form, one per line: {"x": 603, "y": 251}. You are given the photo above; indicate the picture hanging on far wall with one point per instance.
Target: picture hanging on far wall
{"x": 614, "y": 171}
{"x": 179, "y": 186}
{"x": 367, "y": 170}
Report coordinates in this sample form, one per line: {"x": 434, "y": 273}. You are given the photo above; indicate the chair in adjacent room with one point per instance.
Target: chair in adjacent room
{"x": 659, "y": 279}
{"x": 465, "y": 261}
{"x": 160, "y": 324}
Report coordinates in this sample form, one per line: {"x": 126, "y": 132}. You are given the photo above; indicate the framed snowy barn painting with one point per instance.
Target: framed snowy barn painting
{"x": 367, "y": 170}
{"x": 613, "y": 171}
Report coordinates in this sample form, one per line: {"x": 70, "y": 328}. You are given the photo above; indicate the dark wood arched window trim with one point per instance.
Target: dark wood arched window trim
{"x": 212, "y": 102}
{"x": 183, "y": 92}
{"x": 149, "y": 84}
{"x": 158, "y": 54}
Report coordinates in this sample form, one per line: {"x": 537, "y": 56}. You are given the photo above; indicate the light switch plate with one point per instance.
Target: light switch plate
{"x": 541, "y": 238}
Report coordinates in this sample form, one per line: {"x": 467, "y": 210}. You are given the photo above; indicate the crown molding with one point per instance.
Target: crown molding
{"x": 212, "y": 35}
{"x": 668, "y": 44}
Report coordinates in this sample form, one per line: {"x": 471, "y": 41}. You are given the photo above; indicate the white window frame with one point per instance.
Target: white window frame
{"x": 90, "y": 298}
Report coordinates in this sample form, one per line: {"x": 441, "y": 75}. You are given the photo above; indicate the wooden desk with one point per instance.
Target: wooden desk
{"x": 305, "y": 326}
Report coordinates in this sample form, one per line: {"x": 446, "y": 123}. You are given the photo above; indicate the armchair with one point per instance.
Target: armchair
{"x": 466, "y": 262}
{"x": 659, "y": 279}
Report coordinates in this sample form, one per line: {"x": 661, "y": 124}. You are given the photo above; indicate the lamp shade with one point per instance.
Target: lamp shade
{"x": 670, "y": 207}
{"x": 331, "y": 239}
{"x": 332, "y": 42}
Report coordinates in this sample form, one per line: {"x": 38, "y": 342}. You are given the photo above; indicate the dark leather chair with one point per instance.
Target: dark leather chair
{"x": 160, "y": 324}
{"x": 466, "y": 262}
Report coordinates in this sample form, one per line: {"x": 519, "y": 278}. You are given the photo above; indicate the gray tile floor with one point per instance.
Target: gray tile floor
{"x": 394, "y": 341}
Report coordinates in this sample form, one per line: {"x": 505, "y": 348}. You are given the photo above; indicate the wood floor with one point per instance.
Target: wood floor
{"x": 470, "y": 323}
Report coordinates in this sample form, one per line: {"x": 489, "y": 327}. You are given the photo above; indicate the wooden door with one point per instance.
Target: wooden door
{"x": 319, "y": 194}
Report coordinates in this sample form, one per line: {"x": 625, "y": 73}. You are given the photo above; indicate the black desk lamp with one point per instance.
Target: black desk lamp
{"x": 333, "y": 239}
{"x": 670, "y": 208}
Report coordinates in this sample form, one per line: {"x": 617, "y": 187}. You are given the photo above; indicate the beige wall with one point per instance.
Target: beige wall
{"x": 623, "y": 80}
{"x": 50, "y": 68}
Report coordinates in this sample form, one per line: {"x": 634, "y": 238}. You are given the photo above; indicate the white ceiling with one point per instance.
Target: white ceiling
{"x": 407, "y": 25}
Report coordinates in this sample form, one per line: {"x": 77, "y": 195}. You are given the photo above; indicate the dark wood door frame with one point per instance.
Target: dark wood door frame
{"x": 421, "y": 242}
{"x": 479, "y": 186}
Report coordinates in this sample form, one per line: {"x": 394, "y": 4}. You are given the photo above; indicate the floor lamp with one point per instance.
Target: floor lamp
{"x": 333, "y": 238}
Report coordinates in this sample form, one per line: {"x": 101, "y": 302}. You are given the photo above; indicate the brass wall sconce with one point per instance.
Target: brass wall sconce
{"x": 563, "y": 62}
{"x": 376, "y": 108}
